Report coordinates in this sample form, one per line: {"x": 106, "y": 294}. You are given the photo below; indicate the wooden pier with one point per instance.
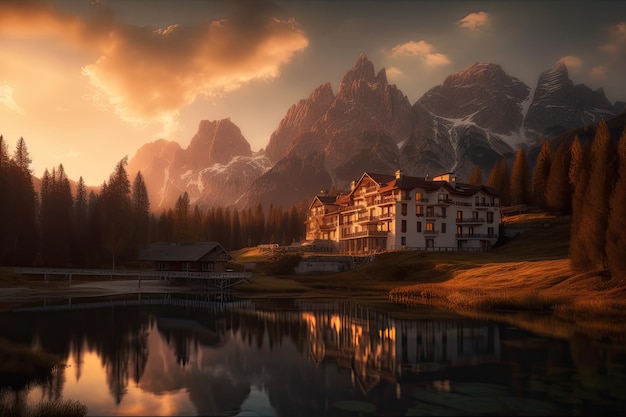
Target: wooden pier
{"x": 213, "y": 280}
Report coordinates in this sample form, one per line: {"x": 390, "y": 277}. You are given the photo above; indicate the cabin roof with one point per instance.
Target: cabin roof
{"x": 186, "y": 252}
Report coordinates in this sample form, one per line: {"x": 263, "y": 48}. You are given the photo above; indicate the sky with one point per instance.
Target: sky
{"x": 88, "y": 82}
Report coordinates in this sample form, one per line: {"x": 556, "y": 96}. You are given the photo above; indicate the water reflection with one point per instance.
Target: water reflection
{"x": 175, "y": 356}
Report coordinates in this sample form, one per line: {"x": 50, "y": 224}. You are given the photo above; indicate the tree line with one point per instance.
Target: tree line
{"x": 58, "y": 227}
{"x": 585, "y": 180}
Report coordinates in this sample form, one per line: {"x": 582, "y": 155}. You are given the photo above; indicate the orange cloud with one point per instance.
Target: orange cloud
{"x": 421, "y": 49}
{"x": 474, "y": 21}
{"x": 6, "y": 98}
{"x": 148, "y": 73}
{"x": 571, "y": 62}
{"x": 599, "y": 72}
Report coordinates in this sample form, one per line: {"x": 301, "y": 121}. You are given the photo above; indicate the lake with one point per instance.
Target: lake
{"x": 173, "y": 354}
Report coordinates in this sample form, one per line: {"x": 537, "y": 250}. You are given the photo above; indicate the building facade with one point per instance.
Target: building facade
{"x": 397, "y": 212}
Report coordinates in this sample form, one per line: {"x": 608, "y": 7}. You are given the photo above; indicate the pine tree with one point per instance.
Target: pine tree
{"x": 476, "y": 177}
{"x": 558, "y": 190}
{"x": 80, "y": 220}
{"x": 615, "y": 237}
{"x": 518, "y": 188}
{"x": 18, "y": 237}
{"x": 541, "y": 174}
{"x": 602, "y": 173}
{"x": 21, "y": 157}
{"x": 498, "y": 179}
{"x": 117, "y": 213}
{"x": 182, "y": 221}
{"x": 578, "y": 178}
{"x": 140, "y": 206}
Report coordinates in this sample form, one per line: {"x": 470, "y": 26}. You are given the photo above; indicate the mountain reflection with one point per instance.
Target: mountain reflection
{"x": 303, "y": 359}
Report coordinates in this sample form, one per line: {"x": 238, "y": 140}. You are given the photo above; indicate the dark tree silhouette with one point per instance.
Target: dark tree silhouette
{"x": 615, "y": 237}
{"x": 541, "y": 174}
{"x": 602, "y": 173}
{"x": 518, "y": 188}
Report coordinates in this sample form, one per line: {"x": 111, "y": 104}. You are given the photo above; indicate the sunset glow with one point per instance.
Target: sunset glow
{"x": 87, "y": 83}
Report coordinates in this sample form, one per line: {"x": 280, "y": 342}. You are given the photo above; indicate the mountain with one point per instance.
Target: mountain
{"x": 558, "y": 105}
{"x": 475, "y": 117}
{"x": 216, "y": 168}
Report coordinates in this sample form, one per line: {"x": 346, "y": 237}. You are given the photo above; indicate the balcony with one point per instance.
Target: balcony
{"x": 474, "y": 220}
{"x": 421, "y": 200}
{"x": 353, "y": 208}
{"x": 364, "y": 233}
{"x": 431, "y": 232}
{"x": 367, "y": 218}
{"x": 485, "y": 205}
{"x": 444, "y": 201}
{"x": 387, "y": 216}
{"x": 328, "y": 226}
{"x": 476, "y": 236}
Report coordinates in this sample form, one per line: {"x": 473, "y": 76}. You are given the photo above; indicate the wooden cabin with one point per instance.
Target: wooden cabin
{"x": 187, "y": 257}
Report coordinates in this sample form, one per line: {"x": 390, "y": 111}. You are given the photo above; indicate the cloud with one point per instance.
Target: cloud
{"x": 617, "y": 39}
{"x": 393, "y": 72}
{"x": 421, "y": 49}
{"x": 571, "y": 62}
{"x": 599, "y": 72}
{"x": 474, "y": 21}
{"x": 6, "y": 98}
{"x": 148, "y": 74}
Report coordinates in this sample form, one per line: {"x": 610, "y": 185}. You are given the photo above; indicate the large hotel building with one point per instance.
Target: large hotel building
{"x": 398, "y": 212}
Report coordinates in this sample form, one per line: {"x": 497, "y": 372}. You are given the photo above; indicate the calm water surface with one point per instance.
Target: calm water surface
{"x": 166, "y": 355}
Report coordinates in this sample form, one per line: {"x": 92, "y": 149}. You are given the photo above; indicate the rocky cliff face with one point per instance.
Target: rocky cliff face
{"x": 359, "y": 129}
{"x": 215, "y": 169}
{"x": 558, "y": 105}
{"x": 474, "y": 117}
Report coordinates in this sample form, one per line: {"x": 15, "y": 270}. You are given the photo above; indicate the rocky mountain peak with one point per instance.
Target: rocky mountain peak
{"x": 362, "y": 71}
{"x": 553, "y": 79}
{"x": 216, "y": 141}
{"x": 381, "y": 77}
{"x": 482, "y": 94}
{"x": 300, "y": 119}
{"x": 559, "y": 105}
{"x": 481, "y": 73}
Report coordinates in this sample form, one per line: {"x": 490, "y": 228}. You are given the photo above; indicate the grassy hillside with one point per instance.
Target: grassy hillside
{"x": 529, "y": 273}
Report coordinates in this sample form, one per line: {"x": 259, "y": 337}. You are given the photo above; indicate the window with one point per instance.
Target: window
{"x": 459, "y": 231}
{"x": 403, "y": 240}
{"x": 443, "y": 228}
{"x": 443, "y": 197}
{"x": 490, "y": 217}
{"x": 430, "y": 243}
{"x": 470, "y": 231}
{"x": 459, "y": 214}
{"x": 490, "y": 231}
{"x": 430, "y": 227}
{"x": 419, "y": 227}
{"x": 430, "y": 211}
{"x": 404, "y": 209}
{"x": 403, "y": 226}
{"x": 418, "y": 196}
{"x": 474, "y": 215}
{"x": 476, "y": 200}
{"x": 443, "y": 212}
{"x": 419, "y": 210}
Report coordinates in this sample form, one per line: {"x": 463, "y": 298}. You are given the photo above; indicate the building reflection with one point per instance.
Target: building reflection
{"x": 303, "y": 357}
{"x": 374, "y": 346}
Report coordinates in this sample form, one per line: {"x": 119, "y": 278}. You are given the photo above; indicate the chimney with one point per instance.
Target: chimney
{"x": 398, "y": 174}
